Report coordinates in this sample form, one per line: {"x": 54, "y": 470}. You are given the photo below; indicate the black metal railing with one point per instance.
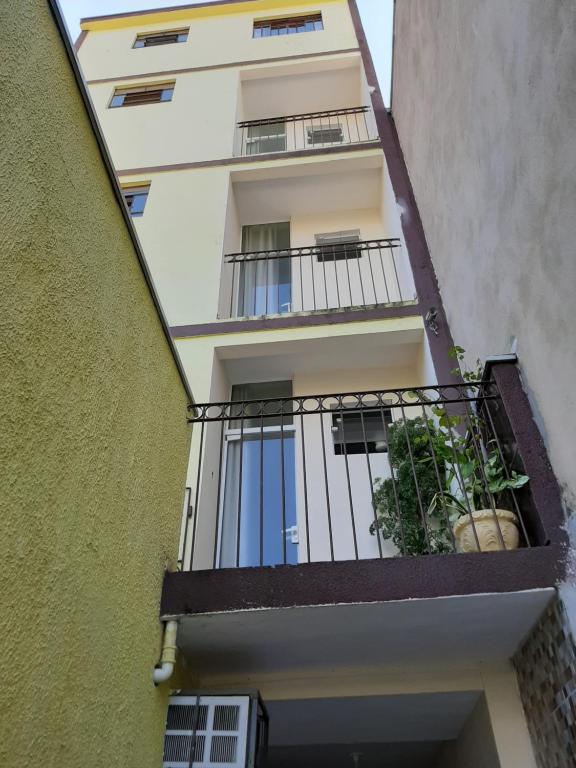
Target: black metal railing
{"x": 320, "y": 277}
{"x": 354, "y": 476}
{"x": 312, "y": 130}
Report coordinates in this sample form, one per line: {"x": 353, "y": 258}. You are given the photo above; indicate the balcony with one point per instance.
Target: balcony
{"x": 357, "y": 476}
{"x": 344, "y": 514}
{"x": 328, "y": 276}
{"x": 310, "y": 131}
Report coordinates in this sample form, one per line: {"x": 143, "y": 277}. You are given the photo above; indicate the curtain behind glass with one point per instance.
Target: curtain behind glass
{"x": 265, "y": 284}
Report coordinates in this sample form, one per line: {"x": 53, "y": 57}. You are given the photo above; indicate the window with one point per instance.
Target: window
{"x": 338, "y": 246}
{"x": 361, "y": 431}
{"x": 269, "y": 137}
{"x": 135, "y": 198}
{"x": 143, "y": 94}
{"x": 328, "y": 134}
{"x": 148, "y": 39}
{"x": 288, "y": 26}
{"x": 262, "y": 391}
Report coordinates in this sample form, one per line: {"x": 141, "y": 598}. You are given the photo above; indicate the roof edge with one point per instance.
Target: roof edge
{"x": 217, "y": 7}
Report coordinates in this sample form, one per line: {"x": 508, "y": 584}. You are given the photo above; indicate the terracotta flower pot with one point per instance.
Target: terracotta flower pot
{"x": 487, "y": 533}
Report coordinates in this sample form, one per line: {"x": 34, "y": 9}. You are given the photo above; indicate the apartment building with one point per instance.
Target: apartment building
{"x": 320, "y": 561}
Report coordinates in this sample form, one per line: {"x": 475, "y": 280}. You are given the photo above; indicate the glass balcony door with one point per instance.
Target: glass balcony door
{"x": 259, "y": 509}
{"x": 258, "y": 514}
{"x": 265, "y": 281}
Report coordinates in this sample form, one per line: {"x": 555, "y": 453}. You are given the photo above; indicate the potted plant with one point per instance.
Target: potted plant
{"x": 447, "y": 486}
{"x": 475, "y": 479}
{"x": 479, "y": 523}
{"x": 402, "y": 510}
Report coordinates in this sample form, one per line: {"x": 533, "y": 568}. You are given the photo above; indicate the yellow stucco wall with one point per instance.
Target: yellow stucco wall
{"x": 94, "y": 441}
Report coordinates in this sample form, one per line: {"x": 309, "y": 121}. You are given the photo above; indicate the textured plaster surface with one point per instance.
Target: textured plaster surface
{"x": 94, "y": 441}
{"x": 485, "y": 106}
{"x": 484, "y": 100}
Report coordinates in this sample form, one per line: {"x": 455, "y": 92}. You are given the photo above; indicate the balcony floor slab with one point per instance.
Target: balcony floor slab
{"x": 446, "y": 608}
{"x": 449, "y": 630}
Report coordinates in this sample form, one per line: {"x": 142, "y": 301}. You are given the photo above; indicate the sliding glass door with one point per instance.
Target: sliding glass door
{"x": 265, "y": 283}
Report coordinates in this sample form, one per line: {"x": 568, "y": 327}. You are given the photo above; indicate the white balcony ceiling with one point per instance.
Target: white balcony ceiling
{"x": 278, "y": 199}
{"x": 370, "y": 719}
{"x": 459, "y": 629}
{"x": 414, "y": 754}
{"x": 287, "y": 359}
{"x": 393, "y": 731}
{"x": 300, "y": 93}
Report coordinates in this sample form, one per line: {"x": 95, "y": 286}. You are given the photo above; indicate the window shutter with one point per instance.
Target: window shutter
{"x": 338, "y": 246}
{"x": 214, "y": 728}
{"x": 329, "y": 134}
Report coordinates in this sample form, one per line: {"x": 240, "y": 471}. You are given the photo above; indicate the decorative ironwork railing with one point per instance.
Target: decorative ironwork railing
{"x": 312, "y": 130}
{"x": 355, "y": 476}
{"x": 320, "y": 277}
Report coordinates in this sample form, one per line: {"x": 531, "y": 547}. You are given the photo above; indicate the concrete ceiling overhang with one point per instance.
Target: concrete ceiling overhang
{"x": 336, "y": 166}
{"x": 457, "y": 629}
{"x": 370, "y": 719}
{"x": 285, "y": 359}
{"x": 411, "y": 754}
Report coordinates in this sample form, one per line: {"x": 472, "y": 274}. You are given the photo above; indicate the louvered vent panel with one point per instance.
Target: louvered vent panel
{"x": 226, "y": 717}
{"x": 181, "y": 717}
{"x": 223, "y": 749}
{"x": 177, "y": 749}
{"x": 217, "y": 724}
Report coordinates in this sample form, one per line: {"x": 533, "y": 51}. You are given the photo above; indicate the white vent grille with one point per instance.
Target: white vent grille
{"x": 206, "y": 732}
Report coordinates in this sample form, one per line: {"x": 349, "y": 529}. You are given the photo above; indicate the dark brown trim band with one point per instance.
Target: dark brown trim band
{"x": 359, "y": 581}
{"x": 231, "y": 65}
{"x": 440, "y": 339}
{"x": 543, "y": 486}
{"x": 252, "y": 159}
{"x": 80, "y": 39}
{"x": 295, "y": 321}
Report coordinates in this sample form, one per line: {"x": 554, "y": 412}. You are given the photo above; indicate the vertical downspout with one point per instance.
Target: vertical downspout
{"x": 164, "y": 670}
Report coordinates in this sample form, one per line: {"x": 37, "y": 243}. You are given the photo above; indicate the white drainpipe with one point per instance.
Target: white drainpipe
{"x": 164, "y": 670}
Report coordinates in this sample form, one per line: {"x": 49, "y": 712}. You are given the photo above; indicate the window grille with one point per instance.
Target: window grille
{"x": 288, "y": 26}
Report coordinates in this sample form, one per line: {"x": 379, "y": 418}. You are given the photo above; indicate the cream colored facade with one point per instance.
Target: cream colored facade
{"x": 195, "y": 215}
{"x": 204, "y": 190}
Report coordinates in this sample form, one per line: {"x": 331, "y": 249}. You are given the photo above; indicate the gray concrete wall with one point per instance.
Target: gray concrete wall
{"x": 484, "y": 100}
